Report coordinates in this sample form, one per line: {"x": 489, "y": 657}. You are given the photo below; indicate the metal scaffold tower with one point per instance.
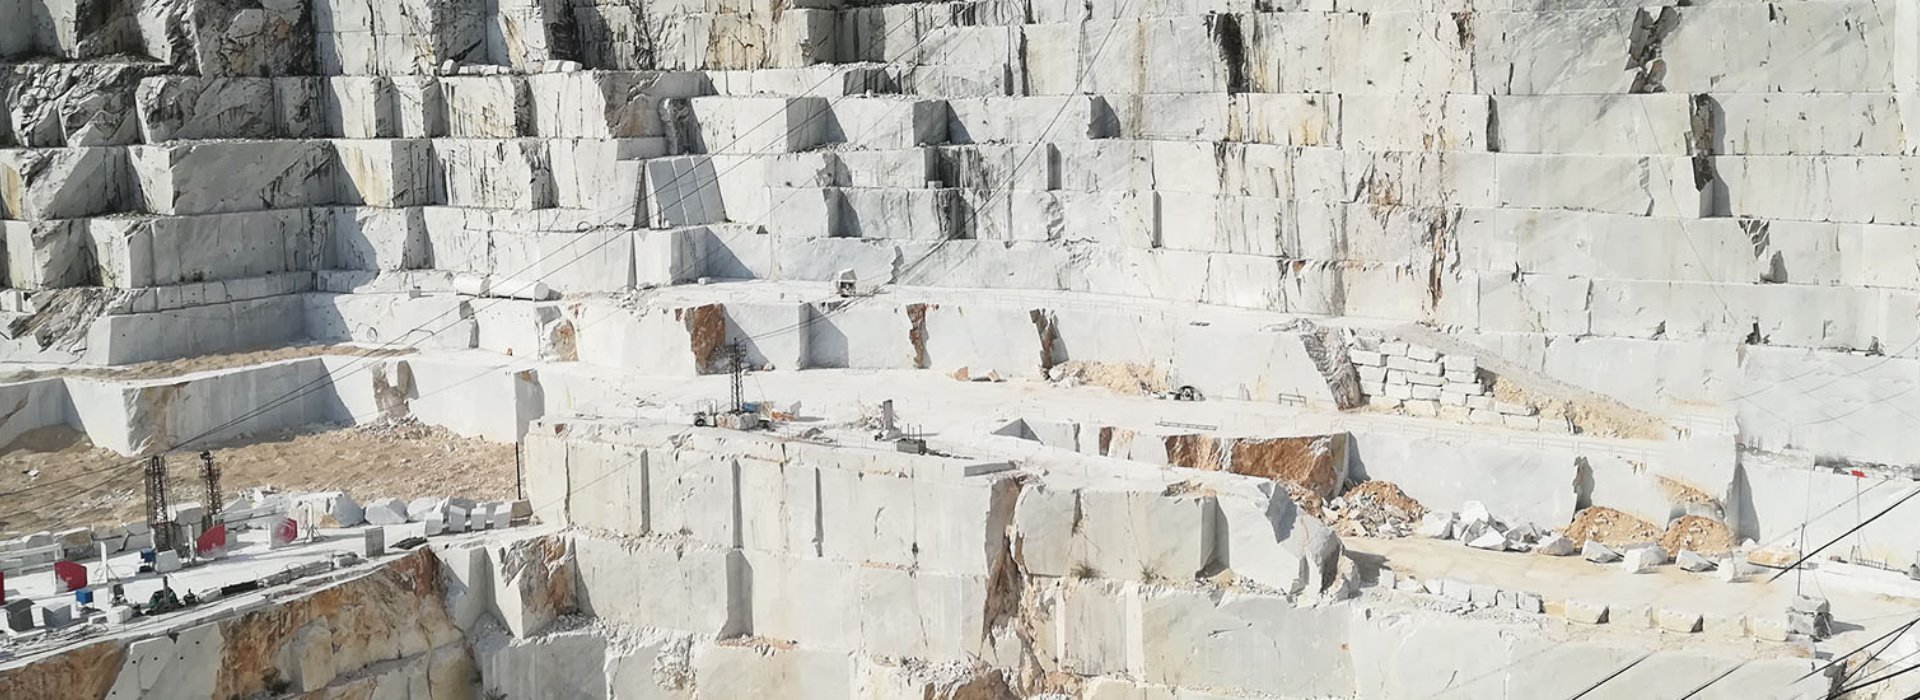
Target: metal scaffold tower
{"x": 157, "y": 517}
{"x": 210, "y": 474}
{"x": 737, "y": 365}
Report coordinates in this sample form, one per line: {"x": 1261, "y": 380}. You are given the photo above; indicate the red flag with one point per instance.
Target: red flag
{"x": 1857, "y": 473}
{"x": 213, "y": 542}
{"x": 69, "y": 576}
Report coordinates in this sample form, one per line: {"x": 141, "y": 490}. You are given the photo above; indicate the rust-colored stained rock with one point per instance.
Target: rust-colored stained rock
{"x": 917, "y": 333}
{"x": 81, "y": 674}
{"x": 1193, "y": 452}
{"x": 563, "y": 343}
{"x": 535, "y": 583}
{"x": 1043, "y": 323}
{"x": 706, "y": 333}
{"x": 390, "y": 614}
{"x": 984, "y": 684}
{"x": 1316, "y": 462}
{"x": 1311, "y": 503}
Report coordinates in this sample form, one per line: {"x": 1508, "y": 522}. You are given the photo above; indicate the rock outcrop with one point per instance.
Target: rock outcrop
{"x": 384, "y": 633}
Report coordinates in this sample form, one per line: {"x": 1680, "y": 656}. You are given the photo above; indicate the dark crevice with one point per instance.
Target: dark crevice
{"x": 1645, "y": 47}
{"x": 1231, "y": 48}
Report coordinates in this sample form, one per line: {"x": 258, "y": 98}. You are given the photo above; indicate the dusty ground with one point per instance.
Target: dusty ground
{"x": 1610, "y": 527}
{"x": 174, "y": 368}
{"x": 401, "y": 461}
{"x": 1703, "y": 536}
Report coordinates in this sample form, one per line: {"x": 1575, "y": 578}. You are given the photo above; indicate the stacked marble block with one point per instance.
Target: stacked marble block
{"x": 1639, "y": 213}
{"x": 175, "y": 154}
{"x": 905, "y": 555}
{"x": 42, "y": 549}
{"x": 1716, "y": 203}
{"x": 1424, "y": 382}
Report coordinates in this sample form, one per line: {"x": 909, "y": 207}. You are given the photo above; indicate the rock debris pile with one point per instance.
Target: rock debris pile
{"x": 1375, "y": 509}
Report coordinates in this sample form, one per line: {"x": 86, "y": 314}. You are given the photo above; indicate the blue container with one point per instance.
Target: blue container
{"x": 83, "y": 596}
{"x": 146, "y": 556}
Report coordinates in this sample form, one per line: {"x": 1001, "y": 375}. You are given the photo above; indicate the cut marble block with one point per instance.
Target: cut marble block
{"x": 163, "y": 251}
{"x": 612, "y": 37}
{"x": 208, "y": 329}
{"x": 65, "y": 183}
{"x": 16, "y": 32}
{"x": 909, "y": 168}
{"x": 804, "y": 212}
{"x": 488, "y": 173}
{"x": 219, "y": 177}
{"x": 595, "y": 104}
{"x": 1301, "y": 120}
{"x": 525, "y": 35}
{"x": 384, "y": 172}
{"x": 46, "y": 254}
{"x": 419, "y": 107}
{"x": 493, "y": 106}
{"x": 365, "y": 238}
{"x": 600, "y": 174}
{"x": 808, "y": 169}
{"x": 793, "y": 38}
{"x": 682, "y": 191}
{"x": 368, "y": 37}
{"x": 757, "y": 124}
{"x": 1807, "y": 124}
{"x": 1024, "y": 119}
{"x": 88, "y": 104}
{"x": 360, "y": 107}
{"x": 1824, "y": 47}
{"x": 1639, "y": 185}
{"x": 190, "y": 108}
{"x": 887, "y": 123}
{"x": 299, "y": 107}
{"x": 230, "y": 39}
{"x": 82, "y": 29}
{"x": 1596, "y": 124}
{"x": 669, "y": 257}
{"x": 920, "y": 214}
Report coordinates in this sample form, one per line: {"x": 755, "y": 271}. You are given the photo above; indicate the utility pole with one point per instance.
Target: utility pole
{"x": 157, "y": 518}
{"x": 211, "y": 475}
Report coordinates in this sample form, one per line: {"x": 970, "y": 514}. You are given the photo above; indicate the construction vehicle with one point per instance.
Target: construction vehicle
{"x": 163, "y": 601}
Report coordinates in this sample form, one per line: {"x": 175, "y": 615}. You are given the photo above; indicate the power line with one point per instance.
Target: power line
{"x": 1876, "y": 516}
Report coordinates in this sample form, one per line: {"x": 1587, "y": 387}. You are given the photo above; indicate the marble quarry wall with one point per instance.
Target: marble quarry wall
{"x": 1668, "y": 204}
{"x": 1664, "y": 204}
{"x": 384, "y": 633}
{"x": 714, "y": 564}
{"x": 717, "y": 564}
{"x": 1601, "y": 248}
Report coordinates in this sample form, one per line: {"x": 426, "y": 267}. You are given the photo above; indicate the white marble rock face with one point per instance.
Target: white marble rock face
{"x": 73, "y": 104}
{"x": 64, "y": 183}
{"x": 232, "y": 176}
{"x": 194, "y": 108}
{"x": 1668, "y": 207}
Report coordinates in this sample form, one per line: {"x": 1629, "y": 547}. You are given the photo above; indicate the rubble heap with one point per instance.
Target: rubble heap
{"x": 1376, "y": 509}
